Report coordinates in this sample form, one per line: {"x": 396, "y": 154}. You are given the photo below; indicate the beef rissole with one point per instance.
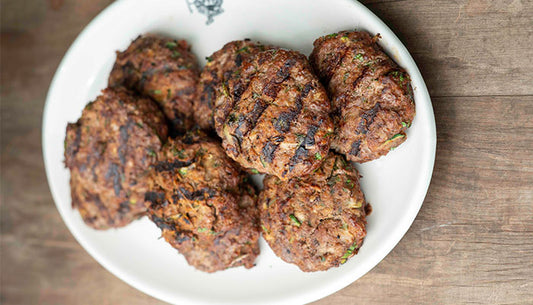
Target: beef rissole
{"x": 371, "y": 95}
{"x": 219, "y": 68}
{"x": 109, "y": 151}
{"x": 204, "y": 205}
{"x": 163, "y": 69}
{"x": 316, "y": 222}
{"x": 275, "y": 116}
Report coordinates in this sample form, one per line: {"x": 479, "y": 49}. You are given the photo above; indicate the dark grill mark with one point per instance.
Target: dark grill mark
{"x": 154, "y": 197}
{"x": 283, "y": 123}
{"x": 113, "y": 172}
{"x": 181, "y": 237}
{"x": 360, "y": 77}
{"x": 272, "y": 88}
{"x": 160, "y": 222}
{"x": 238, "y": 60}
{"x": 302, "y": 150}
{"x": 208, "y": 97}
{"x": 197, "y": 195}
{"x": 268, "y": 151}
{"x": 367, "y": 118}
{"x": 284, "y": 72}
{"x": 166, "y": 166}
{"x": 355, "y": 148}
{"x": 333, "y": 64}
{"x": 238, "y": 90}
{"x": 74, "y": 146}
{"x": 124, "y": 208}
{"x": 248, "y": 123}
{"x": 123, "y": 141}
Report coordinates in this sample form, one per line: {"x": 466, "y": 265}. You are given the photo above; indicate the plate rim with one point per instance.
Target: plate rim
{"x": 332, "y": 287}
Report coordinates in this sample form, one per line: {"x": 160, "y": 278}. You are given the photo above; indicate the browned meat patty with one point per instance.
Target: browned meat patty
{"x": 219, "y": 68}
{"x": 278, "y": 120}
{"x": 316, "y": 222}
{"x": 204, "y": 206}
{"x": 165, "y": 70}
{"x": 371, "y": 95}
{"x": 109, "y": 151}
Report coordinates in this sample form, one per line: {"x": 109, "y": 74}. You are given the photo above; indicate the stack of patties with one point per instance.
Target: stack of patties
{"x": 275, "y": 112}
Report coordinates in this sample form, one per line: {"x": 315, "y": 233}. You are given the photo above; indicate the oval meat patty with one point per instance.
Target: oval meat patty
{"x": 219, "y": 68}
{"x": 274, "y": 115}
{"x": 109, "y": 151}
{"x": 371, "y": 95}
{"x": 165, "y": 70}
{"x": 316, "y": 222}
{"x": 204, "y": 206}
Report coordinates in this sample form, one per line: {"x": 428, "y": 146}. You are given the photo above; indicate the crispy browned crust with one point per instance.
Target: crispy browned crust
{"x": 165, "y": 70}
{"x": 316, "y": 222}
{"x": 274, "y": 115}
{"x": 219, "y": 68}
{"x": 109, "y": 151}
{"x": 204, "y": 206}
{"x": 371, "y": 96}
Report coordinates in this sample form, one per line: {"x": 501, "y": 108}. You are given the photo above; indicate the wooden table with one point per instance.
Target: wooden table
{"x": 472, "y": 242}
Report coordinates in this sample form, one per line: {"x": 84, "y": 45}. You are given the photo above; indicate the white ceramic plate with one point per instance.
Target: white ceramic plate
{"x": 395, "y": 185}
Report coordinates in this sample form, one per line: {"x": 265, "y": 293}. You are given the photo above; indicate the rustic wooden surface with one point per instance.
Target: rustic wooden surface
{"x": 472, "y": 242}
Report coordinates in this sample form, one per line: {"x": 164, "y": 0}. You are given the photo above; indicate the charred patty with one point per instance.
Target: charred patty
{"x": 278, "y": 120}
{"x": 109, "y": 151}
{"x": 204, "y": 206}
{"x": 316, "y": 222}
{"x": 219, "y": 68}
{"x": 371, "y": 95}
{"x": 165, "y": 70}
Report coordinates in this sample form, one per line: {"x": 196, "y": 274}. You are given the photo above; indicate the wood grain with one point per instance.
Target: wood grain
{"x": 472, "y": 241}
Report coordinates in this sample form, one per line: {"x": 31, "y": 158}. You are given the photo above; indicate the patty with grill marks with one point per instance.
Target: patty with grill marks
{"x": 316, "y": 222}
{"x": 220, "y": 66}
{"x": 371, "y": 95}
{"x": 204, "y": 205}
{"x": 278, "y": 121}
{"x": 109, "y": 151}
{"x": 165, "y": 70}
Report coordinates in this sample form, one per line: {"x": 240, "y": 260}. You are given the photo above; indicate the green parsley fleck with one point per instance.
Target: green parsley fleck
{"x": 183, "y": 171}
{"x": 349, "y": 252}
{"x": 225, "y": 90}
{"x": 180, "y": 153}
{"x": 244, "y": 49}
{"x": 152, "y": 153}
{"x": 359, "y": 56}
{"x": 209, "y": 59}
{"x": 332, "y": 35}
{"x": 254, "y": 171}
{"x": 201, "y": 230}
{"x": 156, "y": 91}
{"x": 396, "y": 136}
{"x": 318, "y": 156}
{"x": 295, "y": 220}
{"x": 264, "y": 229}
{"x": 175, "y": 54}
{"x": 171, "y": 45}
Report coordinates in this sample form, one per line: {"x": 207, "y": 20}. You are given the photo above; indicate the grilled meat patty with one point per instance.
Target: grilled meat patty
{"x": 204, "y": 205}
{"x": 316, "y": 222}
{"x": 273, "y": 115}
{"x": 219, "y": 68}
{"x": 165, "y": 70}
{"x": 371, "y": 95}
{"x": 109, "y": 151}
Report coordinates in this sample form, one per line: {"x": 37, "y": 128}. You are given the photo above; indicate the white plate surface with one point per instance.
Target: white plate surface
{"x": 395, "y": 185}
